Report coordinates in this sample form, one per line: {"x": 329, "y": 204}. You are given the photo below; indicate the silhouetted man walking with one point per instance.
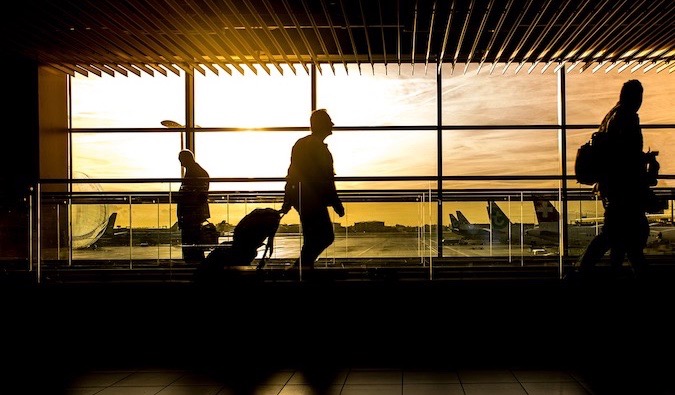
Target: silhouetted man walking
{"x": 310, "y": 189}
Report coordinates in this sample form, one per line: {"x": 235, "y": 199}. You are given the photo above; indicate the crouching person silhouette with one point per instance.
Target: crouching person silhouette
{"x": 310, "y": 189}
{"x": 192, "y": 206}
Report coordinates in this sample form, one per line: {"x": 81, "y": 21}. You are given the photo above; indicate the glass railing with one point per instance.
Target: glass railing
{"x": 88, "y": 227}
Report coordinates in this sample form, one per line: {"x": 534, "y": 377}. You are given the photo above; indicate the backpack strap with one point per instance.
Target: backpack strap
{"x": 269, "y": 246}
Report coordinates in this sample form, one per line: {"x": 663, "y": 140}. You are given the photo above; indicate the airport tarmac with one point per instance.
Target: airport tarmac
{"x": 287, "y": 246}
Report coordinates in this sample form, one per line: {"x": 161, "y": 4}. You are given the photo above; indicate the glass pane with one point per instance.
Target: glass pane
{"x": 500, "y": 225}
{"x": 355, "y": 153}
{"x": 246, "y": 153}
{"x": 500, "y": 152}
{"x": 126, "y": 155}
{"x": 384, "y": 153}
{"x": 591, "y": 95}
{"x": 477, "y": 97}
{"x": 124, "y": 102}
{"x": 251, "y": 100}
{"x": 662, "y": 140}
{"x": 379, "y": 96}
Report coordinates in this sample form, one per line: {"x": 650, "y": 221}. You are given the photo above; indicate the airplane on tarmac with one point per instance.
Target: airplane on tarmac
{"x": 467, "y": 231}
{"x": 665, "y": 233}
{"x": 578, "y": 235}
{"x": 505, "y": 231}
{"x": 547, "y": 230}
{"x": 119, "y": 237}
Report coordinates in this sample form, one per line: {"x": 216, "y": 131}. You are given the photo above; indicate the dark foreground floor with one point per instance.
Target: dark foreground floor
{"x": 607, "y": 337}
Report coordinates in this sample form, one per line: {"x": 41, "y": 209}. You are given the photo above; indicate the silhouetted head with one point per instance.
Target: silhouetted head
{"x": 631, "y": 95}
{"x": 320, "y": 123}
{"x": 186, "y": 157}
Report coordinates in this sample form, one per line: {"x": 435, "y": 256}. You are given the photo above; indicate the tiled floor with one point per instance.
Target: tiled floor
{"x": 344, "y": 382}
{"x": 365, "y": 338}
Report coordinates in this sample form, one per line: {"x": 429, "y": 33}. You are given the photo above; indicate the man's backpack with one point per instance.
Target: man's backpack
{"x": 591, "y": 160}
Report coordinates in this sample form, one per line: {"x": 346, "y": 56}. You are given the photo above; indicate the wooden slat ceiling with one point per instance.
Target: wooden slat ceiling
{"x": 232, "y": 36}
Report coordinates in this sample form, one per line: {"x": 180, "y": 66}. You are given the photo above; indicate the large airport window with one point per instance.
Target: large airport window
{"x": 380, "y": 95}
{"x": 500, "y": 152}
{"x": 369, "y": 153}
{"x": 355, "y": 153}
{"x": 127, "y": 102}
{"x": 246, "y": 153}
{"x": 591, "y": 95}
{"x": 253, "y": 100}
{"x": 479, "y": 97}
{"x": 126, "y": 156}
{"x": 658, "y": 139}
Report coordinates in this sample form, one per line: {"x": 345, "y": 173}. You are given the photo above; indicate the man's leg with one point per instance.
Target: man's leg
{"x": 635, "y": 246}
{"x": 317, "y": 233}
{"x": 190, "y": 240}
{"x": 594, "y": 252}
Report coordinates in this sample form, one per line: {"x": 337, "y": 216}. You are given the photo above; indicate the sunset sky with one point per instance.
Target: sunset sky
{"x": 399, "y": 97}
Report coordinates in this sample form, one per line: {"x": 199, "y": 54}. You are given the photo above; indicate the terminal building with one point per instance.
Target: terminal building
{"x": 439, "y": 108}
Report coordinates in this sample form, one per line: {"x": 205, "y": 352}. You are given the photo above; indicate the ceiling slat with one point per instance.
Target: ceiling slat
{"x": 399, "y": 40}
{"x": 177, "y": 36}
{"x": 319, "y": 38}
{"x": 333, "y": 32}
{"x": 542, "y": 36}
{"x": 476, "y": 40}
{"x": 525, "y": 36}
{"x": 351, "y": 35}
{"x": 413, "y": 38}
{"x": 125, "y": 22}
{"x": 603, "y": 24}
{"x": 128, "y": 45}
{"x": 495, "y": 34}
{"x": 118, "y": 69}
{"x": 298, "y": 28}
{"x": 430, "y": 36}
{"x": 255, "y": 42}
{"x": 566, "y": 52}
{"x": 221, "y": 33}
{"x": 664, "y": 66}
{"x": 131, "y": 67}
{"x": 62, "y": 68}
{"x": 177, "y": 43}
{"x": 460, "y": 41}
{"x": 269, "y": 35}
{"x": 284, "y": 33}
{"x": 609, "y": 36}
{"x": 545, "y": 55}
{"x": 644, "y": 38}
{"x": 83, "y": 45}
{"x": 510, "y": 34}
{"x": 384, "y": 41}
{"x": 365, "y": 29}
{"x": 209, "y": 47}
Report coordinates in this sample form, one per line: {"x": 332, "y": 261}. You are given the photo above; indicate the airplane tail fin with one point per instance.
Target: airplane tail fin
{"x": 454, "y": 222}
{"x": 462, "y": 219}
{"x": 110, "y": 227}
{"x": 546, "y": 211}
{"x": 498, "y": 218}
